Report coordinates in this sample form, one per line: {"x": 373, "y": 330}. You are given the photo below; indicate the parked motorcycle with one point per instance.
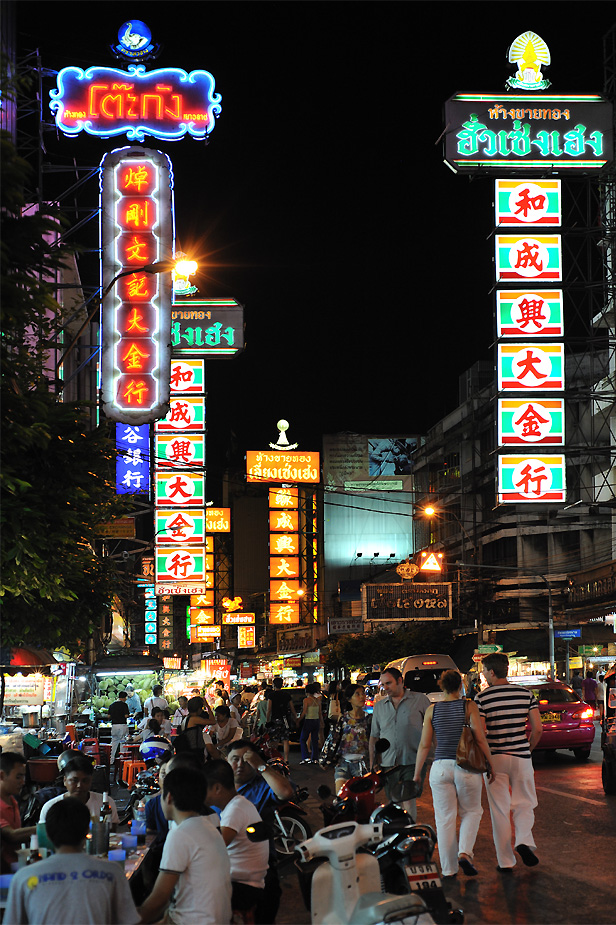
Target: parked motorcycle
{"x": 288, "y": 824}
{"x": 358, "y": 798}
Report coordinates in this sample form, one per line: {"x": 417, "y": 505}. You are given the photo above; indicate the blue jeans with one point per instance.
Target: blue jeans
{"x": 310, "y": 728}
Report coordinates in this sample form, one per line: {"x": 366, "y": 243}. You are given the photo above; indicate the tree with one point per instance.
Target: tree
{"x": 359, "y": 650}
{"x": 56, "y": 476}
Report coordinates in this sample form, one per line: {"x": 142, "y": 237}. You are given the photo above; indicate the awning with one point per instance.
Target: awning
{"x": 26, "y": 657}
{"x": 115, "y": 664}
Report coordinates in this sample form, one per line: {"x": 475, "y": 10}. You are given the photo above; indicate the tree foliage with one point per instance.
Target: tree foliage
{"x": 56, "y": 475}
{"x": 361, "y": 650}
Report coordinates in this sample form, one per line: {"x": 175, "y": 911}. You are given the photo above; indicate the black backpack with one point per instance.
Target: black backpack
{"x": 190, "y": 740}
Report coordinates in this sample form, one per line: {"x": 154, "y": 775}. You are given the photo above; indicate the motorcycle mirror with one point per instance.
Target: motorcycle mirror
{"x": 405, "y": 790}
{"x": 382, "y": 746}
{"x": 323, "y": 791}
{"x": 259, "y": 831}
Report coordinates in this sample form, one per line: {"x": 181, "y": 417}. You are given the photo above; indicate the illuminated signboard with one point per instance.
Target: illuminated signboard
{"x": 133, "y": 459}
{"x": 284, "y": 520}
{"x": 179, "y": 525}
{"x": 424, "y": 601}
{"x": 238, "y": 619}
{"x": 265, "y": 466}
{"x": 179, "y": 488}
{"x": 536, "y": 203}
{"x": 166, "y": 103}
{"x": 135, "y": 44}
{"x": 527, "y": 257}
{"x": 186, "y": 413}
{"x": 516, "y": 133}
{"x": 184, "y": 563}
{"x": 246, "y": 637}
{"x": 286, "y": 497}
{"x": 537, "y": 421}
{"x": 204, "y": 633}
{"x": 529, "y": 314}
{"x": 187, "y": 376}
{"x": 201, "y": 616}
{"x": 212, "y": 328}
{"x": 218, "y": 519}
{"x": 180, "y": 450}
{"x": 281, "y": 613}
{"x": 531, "y": 366}
{"x": 286, "y": 590}
{"x": 136, "y": 230}
{"x": 284, "y": 566}
{"x": 524, "y": 479}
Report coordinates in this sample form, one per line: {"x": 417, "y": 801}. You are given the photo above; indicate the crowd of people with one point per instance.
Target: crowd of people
{"x": 201, "y": 866}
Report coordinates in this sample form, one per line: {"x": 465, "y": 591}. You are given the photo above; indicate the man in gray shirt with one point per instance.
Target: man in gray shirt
{"x": 398, "y": 717}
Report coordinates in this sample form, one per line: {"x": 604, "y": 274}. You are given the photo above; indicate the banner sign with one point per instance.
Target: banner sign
{"x": 133, "y": 459}
{"x": 186, "y": 413}
{"x": 530, "y": 366}
{"x": 136, "y": 203}
{"x": 187, "y": 376}
{"x": 212, "y": 328}
{"x": 21, "y": 691}
{"x": 185, "y": 489}
{"x": 522, "y": 133}
{"x": 166, "y": 103}
{"x": 529, "y": 314}
{"x": 294, "y": 641}
{"x": 528, "y": 257}
{"x": 271, "y": 466}
{"x": 404, "y": 601}
{"x": 246, "y": 637}
{"x": 536, "y": 203}
{"x": 523, "y": 479}
{"x": 540, "y": 422}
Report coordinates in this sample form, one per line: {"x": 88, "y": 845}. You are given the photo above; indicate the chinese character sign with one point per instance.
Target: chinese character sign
{"x": 524, "y": 479}
{"x": 538, "y": 421}
{"x": 529, "y": 314}
{"x": 136, "y": 231}
{"x": 528, "y": 257}
{"x": 166, "y": 103}
{"x": 530, "y": 366}
{"x": 133, "y": 459}
{"x": 536, "y": 203}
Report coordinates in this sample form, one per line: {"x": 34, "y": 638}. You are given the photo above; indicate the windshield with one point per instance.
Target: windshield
{"x": 423, "y": 680}
{"x": 555, "y": 695}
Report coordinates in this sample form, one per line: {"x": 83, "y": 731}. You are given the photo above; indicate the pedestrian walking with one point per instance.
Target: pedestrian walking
{"x": 311, "y": 717}
{"x": 156, "y": 700}
{"x": 577, "y": 683}
{"x": 282, "y": 716}
{"x": 181, "y": 713}
{"x": 589, "y": 687}
{"x": 454, "y": 790}
{"x": 398, "y": 717}
{"x": 118, "y": 714}
{"x": 506, "y": 708}
{"x": 600, "y": 692}
{"x": 354, "y": 727}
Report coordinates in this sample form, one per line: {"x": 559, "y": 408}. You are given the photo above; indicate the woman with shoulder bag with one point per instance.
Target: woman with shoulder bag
{"x": 355, "y": 735}
{"x": 453, "y": 788}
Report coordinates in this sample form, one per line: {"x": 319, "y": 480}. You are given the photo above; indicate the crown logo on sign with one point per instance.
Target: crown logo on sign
{"x": 283, "y": 444}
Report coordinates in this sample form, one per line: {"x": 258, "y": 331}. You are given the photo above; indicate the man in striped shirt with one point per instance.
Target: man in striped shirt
{"x": 505, "y": 709}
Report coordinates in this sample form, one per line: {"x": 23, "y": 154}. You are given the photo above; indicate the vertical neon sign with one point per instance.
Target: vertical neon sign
{"x": 136, "y": 231}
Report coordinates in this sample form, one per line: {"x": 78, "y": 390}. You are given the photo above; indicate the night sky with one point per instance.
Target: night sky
{"x": 321, "y": 202}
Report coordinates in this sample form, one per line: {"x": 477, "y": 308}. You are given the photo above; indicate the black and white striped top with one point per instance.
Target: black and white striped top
{"x": 447, "y": 722}
{"x": 505, "y": 708}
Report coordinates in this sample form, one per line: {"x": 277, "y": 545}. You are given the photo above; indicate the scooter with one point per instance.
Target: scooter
{"x": 288, "y": 825}
{"x": 346, "y": 889}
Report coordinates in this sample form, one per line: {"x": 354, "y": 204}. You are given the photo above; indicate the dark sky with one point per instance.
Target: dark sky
{"x": 322, "y": 203}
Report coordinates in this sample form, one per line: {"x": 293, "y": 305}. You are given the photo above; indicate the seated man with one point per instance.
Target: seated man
{"x": 70, "y": 886}
{"x": 249, "y": 860}
{"x": 12, "y": 780}
{"x": 155, "y": 820}
{"x": 195, "y": 873}
{"x": 77, "y": 778}
{"x": 224, "y": 731}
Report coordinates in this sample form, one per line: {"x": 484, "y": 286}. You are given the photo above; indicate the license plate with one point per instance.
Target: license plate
{"x": 423, "y": 876}
{"x": 550, "y": 717}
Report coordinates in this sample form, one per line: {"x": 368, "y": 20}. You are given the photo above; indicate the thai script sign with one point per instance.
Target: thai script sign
{"x": 218, "y": 519}
{"x": 212, "y": 328}
{"x": 238, "y": 619}
{"x": 516, "y": 133}
{"x": 133, "y": 459}
{"x": 529, "y": 314}
{"x": 536, "y": 203}
{"x": 528, "y": 257}
{"x": 263, "y": 466}
{"x": 422, "y": 601}
{"x": 531, "y": 366}
{"x": 523, "y": 479}
{"x": 24, "y": 691}
{"x": 537, "y": 421}
{"x": 136, "y": 231}
{"x": 301, "y": 640}
{"x": 166, "y": 103}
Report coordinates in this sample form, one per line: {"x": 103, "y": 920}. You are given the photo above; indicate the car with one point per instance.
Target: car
{"x": 568, "y": 722}
{"x": 422, "y": 672}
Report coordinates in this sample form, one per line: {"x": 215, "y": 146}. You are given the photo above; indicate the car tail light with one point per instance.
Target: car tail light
{"x": 587, "y": 714}
{"x": 543, "y": 703}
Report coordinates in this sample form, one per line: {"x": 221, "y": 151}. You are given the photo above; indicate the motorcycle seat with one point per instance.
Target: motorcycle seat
{"x": 379, "y": 907}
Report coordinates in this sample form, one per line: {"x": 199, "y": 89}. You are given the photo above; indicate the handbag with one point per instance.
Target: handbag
{"x": 334, "y": 708}
{"x": 468, "y": 754}
{"x": 331, "y": 746}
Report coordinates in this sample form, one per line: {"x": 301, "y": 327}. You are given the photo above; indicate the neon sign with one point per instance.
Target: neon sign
{"x": 136, "y": 230}
{"x": 516, "y": 133}
{"x": 167, "y": 103}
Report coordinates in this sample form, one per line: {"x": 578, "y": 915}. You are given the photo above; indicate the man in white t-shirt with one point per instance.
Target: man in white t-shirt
{"x": 70, "y": 886}
{"x": 156, "y": 700}
{"x": 225, "y": 731}
{"x": 249, "y": 860}
{"x": 78, "y": 781}
{"x": 195, "y": 874}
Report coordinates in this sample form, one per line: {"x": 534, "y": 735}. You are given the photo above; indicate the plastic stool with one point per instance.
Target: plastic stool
{"x": 90, "y": 747}
{"x": 130, "y": 771}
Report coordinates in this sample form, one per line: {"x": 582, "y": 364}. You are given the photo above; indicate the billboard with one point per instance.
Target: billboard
{"x": 405, "y": 601}
{"x": 360, "y": 462}
{"x": 273, "y": 466}
{"x": 524, "y": 133}
{"x": 212, "y": 328}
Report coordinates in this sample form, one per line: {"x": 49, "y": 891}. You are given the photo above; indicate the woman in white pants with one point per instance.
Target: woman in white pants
{"x": 453, "y": 789}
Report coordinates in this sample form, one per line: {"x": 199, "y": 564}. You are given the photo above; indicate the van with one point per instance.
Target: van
{"x": 421, "y": 673}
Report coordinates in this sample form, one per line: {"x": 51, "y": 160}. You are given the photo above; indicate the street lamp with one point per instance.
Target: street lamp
{"x": 184, "y": 267}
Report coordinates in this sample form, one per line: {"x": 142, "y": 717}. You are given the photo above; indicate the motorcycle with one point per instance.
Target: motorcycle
{"x": 357, "y": 799}
{"x": 288, "y": 825}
